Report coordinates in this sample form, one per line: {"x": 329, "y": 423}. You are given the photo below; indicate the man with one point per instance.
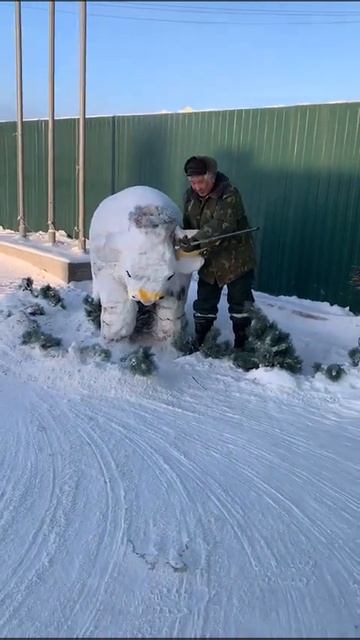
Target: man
{"x": 214, "y": 207}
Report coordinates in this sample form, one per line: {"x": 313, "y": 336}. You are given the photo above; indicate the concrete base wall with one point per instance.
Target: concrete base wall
{"x": 58, "y": 266}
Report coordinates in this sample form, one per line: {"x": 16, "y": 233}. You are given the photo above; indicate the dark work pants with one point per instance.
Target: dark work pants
{"x": 238, "y": 293}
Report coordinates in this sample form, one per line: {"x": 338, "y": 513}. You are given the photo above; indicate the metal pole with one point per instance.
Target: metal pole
{"x": 19, "y": 128}
{"x": 82, "y": 239}
{"x": 51, "y": 217}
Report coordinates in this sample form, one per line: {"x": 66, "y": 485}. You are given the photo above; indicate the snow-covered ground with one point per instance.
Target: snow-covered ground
{"x": 201, "y": 501}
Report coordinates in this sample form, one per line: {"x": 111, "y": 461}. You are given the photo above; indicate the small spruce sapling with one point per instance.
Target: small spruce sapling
{"x": 35, "y": 310}
{"x": 52, "y": 295}
{"x": 92, "y": 310}
{"x": 354, "y": 355}
{"x": 267, "y": 345}
{"x": 27, "y": 284}
{"x": 211, "y": 348}
{"x": 332, "y": 371}
{"x": 34, "y": 335}
{"x": 96, "y": 351}
{"x": 140, "y": 361}
{"x": 185, "y": 343}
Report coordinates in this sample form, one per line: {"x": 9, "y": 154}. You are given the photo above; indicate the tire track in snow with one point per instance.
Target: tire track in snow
{"x": 257, "y": 546}
{"x": 315, "y": 531}
{"x": 11, "y": 480}
{"x": 234, "y": 518}
{"x": 153, "y": 459}
{"x": 297, "y": 444}
{"x": 166, "y": 476}
{"x": 205, "y": 444}
{"x": 325, "y": 492}
{"x": 243, "y": 443}
{"x": 23, "y": 572}
{"x": 96, "y": 588}
{"x": 310, "y": 525}
{"x": 37, "y": 553}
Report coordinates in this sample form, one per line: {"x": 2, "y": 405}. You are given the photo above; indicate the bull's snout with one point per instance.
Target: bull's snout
{"x": 147, "y": 297}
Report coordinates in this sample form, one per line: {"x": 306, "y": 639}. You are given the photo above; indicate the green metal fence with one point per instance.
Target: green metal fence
{"x": 298, "y": 169}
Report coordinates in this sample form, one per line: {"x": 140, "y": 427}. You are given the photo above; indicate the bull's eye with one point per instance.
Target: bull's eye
{"x": 172, "y": 275}
{"x": 128, "y": 274}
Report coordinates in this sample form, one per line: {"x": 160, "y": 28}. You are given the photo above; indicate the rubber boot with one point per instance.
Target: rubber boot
{"x": 239, "y": 328}
{"x": 202, "y": 328}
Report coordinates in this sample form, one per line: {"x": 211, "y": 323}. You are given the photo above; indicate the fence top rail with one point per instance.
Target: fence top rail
{"x": 191, "y": 111}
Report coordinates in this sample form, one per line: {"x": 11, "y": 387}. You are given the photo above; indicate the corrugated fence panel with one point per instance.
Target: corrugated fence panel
{"x": 99, "y": 168}
{"x": 35, "y": 174}
{"x": 66, "y": 175}
{"x": 8, "y": 198}
{"x": 100, "y": 163}
{"x": 298, "y": 170}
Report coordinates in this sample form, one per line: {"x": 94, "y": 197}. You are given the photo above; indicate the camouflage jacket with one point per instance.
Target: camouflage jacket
{"x": 221, "y": 211}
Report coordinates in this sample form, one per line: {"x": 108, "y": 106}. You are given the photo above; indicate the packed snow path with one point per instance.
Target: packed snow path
{"x": 200, "y": 502}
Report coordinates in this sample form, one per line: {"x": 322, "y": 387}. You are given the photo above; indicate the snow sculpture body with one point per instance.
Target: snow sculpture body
{"x": 133, "y": 259}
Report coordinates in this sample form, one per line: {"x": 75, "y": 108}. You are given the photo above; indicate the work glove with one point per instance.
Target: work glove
{"x": 186, "y": 244}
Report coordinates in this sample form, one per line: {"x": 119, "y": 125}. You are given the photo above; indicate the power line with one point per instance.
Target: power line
{"x": 202, "y": 6}
{"x": 191, "y": 9}
{"x": 187, "y": 8}
{"x": 222, "y": 10}
{"x": 198, "y": 22}
{"x": 219, "y": 22}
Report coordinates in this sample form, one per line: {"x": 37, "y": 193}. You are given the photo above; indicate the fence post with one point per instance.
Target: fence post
{"x": 82, "y": 124}
{"x": 19, "y": 126}
{"x": 51, "y": 199}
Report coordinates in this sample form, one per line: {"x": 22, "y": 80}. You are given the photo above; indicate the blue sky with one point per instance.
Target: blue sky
{"x": 153, "y": 56}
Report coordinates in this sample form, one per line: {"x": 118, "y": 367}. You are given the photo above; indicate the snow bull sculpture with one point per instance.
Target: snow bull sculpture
{"x": 133, "y": 260}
